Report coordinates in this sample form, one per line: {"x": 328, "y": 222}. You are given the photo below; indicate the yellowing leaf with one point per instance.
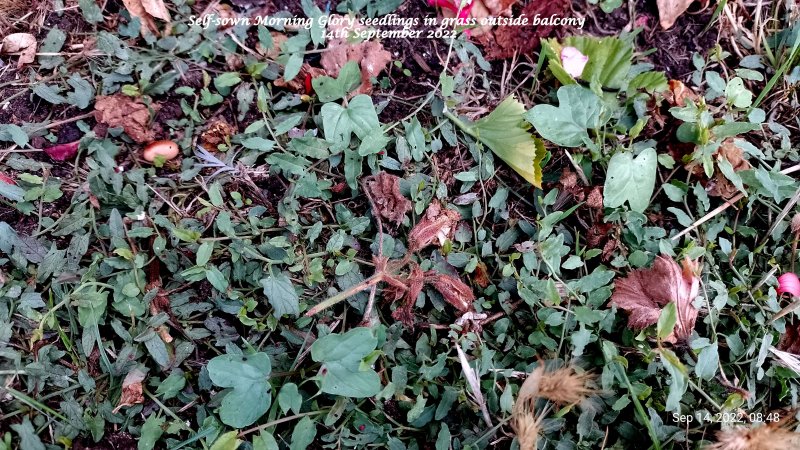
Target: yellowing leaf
{"x": 504, "y": 131}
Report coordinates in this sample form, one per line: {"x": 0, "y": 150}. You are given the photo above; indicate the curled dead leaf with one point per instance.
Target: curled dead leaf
{"x": 644, "y": 292}
{"x": 219, "y": 131}
{"x": 438, "y": 224}
{"x": 481, "y": 275}
{"x": 22, "y": 43}
{"x": 147, "y": 11}
{"x": 454, "y": 291}
{"x": 128, "y": 113}
{"x": 370, "y": 55}
{"x": 384, "y": 189}
{"x": 414, "y": 282}
{"x": 670, "y": 10}
{"x": 720, "y": 185}
{"x": 131, "y": 390}
{"x": 678, "y": 93}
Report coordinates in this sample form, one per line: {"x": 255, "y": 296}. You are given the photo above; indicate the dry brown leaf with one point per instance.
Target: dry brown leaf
{"x": 131, "y": 114}
{"x": 414, "y": 283}
{"x": 389, "y": 202}
{"x": 22, "y": 43}
{"x": 131, "y": 390}
{"x": 678, "y": 92}
{"x": 278, "y": 38}
{"x": 370, "y": 55}
{"x": 454, "y": 291}
{"x": 481, "y": 275}
{"x": 670, "y": 10}
{"x": 721, "y": 186}
{"x": 644, "y": 292}
{"x": 219, "y": 131}
{"x": 147, "y": 11}
{"x": 438, "y": 225}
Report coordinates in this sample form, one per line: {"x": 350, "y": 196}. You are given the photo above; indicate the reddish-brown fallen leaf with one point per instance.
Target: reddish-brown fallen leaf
{"x": 454, "y": 291}
{"x": 644, "y": 292}
{"x": 125, "y": 112}
{"x": 720, "y": 185}
{"x": 481, "y": 275}
{"x": 370, "y": 55}
{"x": 670, "y": 10}
{"x": 22, "y": 43}
{"x": 414, "y": 283}
{"x": 218, "y": 132}
{"x": 131, "y": 390}
{"x": 438, "y": 224}
{"x": 504, "y": 41}
{"x": 384, "y": 189}
{"x": 62, "y": 152}
{"x": 678, "y": 93}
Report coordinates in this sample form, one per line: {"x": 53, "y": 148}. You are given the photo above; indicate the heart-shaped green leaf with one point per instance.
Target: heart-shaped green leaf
{"x": 339, "y": 123}
{"x": 248, "y": 375}
{"x": 630, "y": 179}
{"x": 609, "y": 59}
{"x": 342, "y": 372}
{"x": 579, "y": 109}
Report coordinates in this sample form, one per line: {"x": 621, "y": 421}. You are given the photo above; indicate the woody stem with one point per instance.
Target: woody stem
{"x": 364, "y": 285}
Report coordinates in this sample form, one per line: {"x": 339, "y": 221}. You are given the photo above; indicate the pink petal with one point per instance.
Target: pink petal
{"x": 573, "y": 61}
{"x": 444, "y": 4}
{"x": 789, "y": 282}
{"x": 62, "y": 152}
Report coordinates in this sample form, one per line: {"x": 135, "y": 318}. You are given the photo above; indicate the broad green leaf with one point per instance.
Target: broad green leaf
{"x": 281, "y": 295}
{"x": 330, "y": 89}
{"x": 52, "y": 44}
{"x": 303, "y": 435}
{"x": 13, "y": 133}
{"x": 289, "y": 398}
{"x": 151, "y": 431}
{"x": 228, "y": 441}
{"x": 342, "y": 372}
{"x": 579, "y": 110}
{"x": 707, "y": 362}
{"x": 667, "y": 320}
{"x": 680, "y": 379}
{"x": 630, "y": 179}
{"x": 29, "y": 440}
{"x": 248, "y": 375}
{"x": 340, "y": 123}
{"x": 737, "y": 94}
{"x": 504, "y": 132}
{"x": 609, "y": 59}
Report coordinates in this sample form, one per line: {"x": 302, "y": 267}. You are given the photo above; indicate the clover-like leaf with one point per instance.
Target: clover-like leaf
{"x": 342, "y": 372}
{"x": 504, "y": 132}
{"x": 248, "y": 376}
{"x": 630, "y": 179}
{"x": 579, "y": 110}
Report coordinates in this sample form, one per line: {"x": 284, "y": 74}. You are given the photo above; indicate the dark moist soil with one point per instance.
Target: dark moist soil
{"x": 421, "y": 56}
{"x": 672, "y": 49}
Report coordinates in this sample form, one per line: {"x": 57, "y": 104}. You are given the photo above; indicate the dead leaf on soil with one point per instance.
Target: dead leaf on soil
{"x": 678, "y": 92}
{"x": 22, "y": 43}
{"x": 131, "y": 114}
{"x": 370, "y": 55}
{"x": 721, "y": 186}
{"x": 504, "y": 41}
{"x": 63, "y": 152}
{"x": 278, "y": 38}
{"x": 147, "y": 11}
{"x": 670, "y": 10}
{"x": 454, "y": 291}
{"x": 644, "y": 292}
{"x": 414, "y": 283}
{"x": 390, "y": 203}
{"x": 439, "y": 224}
{"x": 219, "y": 131}
{"x": 131, "y": 390}
{"x": 481, "y": 275}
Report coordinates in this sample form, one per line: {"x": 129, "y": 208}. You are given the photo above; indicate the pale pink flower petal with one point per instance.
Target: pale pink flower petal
{"x": 573, "y": 61}
{"x": 789, "y": 282}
